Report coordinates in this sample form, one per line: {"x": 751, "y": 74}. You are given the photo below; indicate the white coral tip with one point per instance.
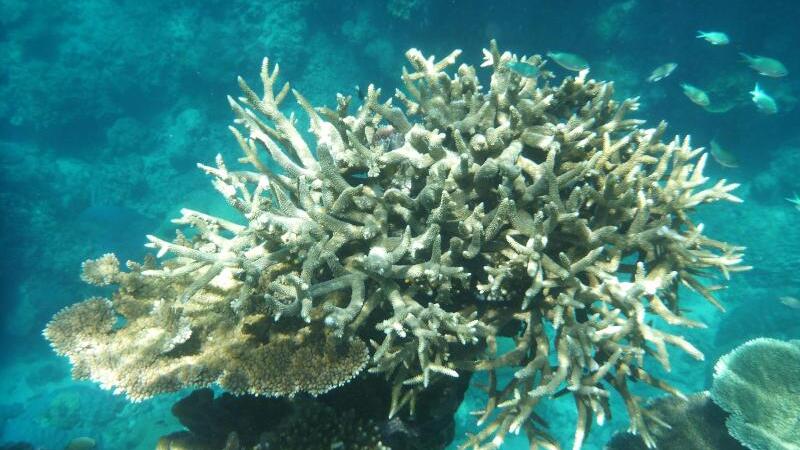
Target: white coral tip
{"x": 488, "y": 59}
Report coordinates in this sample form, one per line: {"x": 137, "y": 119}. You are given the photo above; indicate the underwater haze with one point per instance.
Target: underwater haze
{"x": 497, "y": 258}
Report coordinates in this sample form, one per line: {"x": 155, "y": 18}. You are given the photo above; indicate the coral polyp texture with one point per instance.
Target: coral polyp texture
{"x": 407, "y": 235}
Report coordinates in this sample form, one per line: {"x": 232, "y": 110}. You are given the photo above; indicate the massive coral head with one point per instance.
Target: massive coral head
{"x": 408, "y": 236}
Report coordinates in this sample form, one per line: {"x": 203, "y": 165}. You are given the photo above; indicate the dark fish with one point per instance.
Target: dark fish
{"x": 723, "y": 157}
{"x": 769, "y": 67}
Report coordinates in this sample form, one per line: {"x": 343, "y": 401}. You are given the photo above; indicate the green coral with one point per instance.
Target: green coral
{"x": 424, "y": 226}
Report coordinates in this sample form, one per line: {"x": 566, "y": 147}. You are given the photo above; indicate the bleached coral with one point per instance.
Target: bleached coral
{"x": 101, "y": 271}
{"x": 427, "y": 225}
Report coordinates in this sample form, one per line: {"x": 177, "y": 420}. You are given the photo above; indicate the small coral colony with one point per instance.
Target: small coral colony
{"x": 411, "y": 233}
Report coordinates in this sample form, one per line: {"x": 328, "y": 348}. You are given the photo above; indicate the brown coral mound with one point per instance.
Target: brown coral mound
{"x": 693, "y": 423}
{"x": 429, "y": 227}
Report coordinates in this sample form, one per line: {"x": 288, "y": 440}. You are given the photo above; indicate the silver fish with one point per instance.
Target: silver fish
{"x": 791, "y": 302}
{"x": 662, "y": 71}
{"x": 795, "y": 201}
{"x": 722, "y": 156}
{"x": 569, "y": 61}
{"x": 763, "y": 101}
{"x": 714, "y": 37}
{"x": 769, "y": 67}
{"x": 696, "y": 95}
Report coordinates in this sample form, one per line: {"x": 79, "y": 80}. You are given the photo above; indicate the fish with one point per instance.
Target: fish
{"x": 569, "y": 61}
{"x": 791, "y": 302}
{"x": 722, "y": 156}
{"x": 769, "y": 67}
{"x": 662, "y": 71}
{"x": 523, "y": 69}
{"x": 763, "y": 101}
{"x": 714, "y": 37}
{"x": 696, "y": 95}
{"x": 720, "y": 108}
{"x": 795, "y": 201}
{"x": 81, "y": 443}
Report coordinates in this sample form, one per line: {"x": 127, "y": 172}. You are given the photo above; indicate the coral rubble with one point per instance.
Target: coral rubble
{"x": 407, "y": 236}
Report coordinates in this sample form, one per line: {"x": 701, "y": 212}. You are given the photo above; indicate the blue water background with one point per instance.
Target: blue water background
{"x": 106, "y": 106}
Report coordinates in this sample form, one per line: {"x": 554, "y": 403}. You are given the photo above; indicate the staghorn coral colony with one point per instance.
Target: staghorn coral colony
{"x": 410, "y": 235}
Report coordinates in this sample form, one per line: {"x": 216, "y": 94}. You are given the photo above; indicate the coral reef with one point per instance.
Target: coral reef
{"x": 758, "y": 383}
{"x": 311, "y": 423}
{"x": 695, "y": 423}
{"x": 407, "y": 236}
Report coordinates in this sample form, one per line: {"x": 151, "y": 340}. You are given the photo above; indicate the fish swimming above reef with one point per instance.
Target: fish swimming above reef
{"x": 662, "y": 71}
{"x": 696, "y": 95}
{"x": 722, "y": 156}
{"x": 795, "y": 201}
{"x": 769, "y": 67}
{"x": 763, "y": 101}
{"x": 523, "y": 69}
{"x": 569, "y": 61}
{"x": 714, "y": 37}
{"x": 791, "y": 302}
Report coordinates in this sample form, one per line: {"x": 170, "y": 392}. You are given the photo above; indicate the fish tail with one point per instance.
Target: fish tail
{"x": 701, "y": 34}
{"x": 747, "y": 58}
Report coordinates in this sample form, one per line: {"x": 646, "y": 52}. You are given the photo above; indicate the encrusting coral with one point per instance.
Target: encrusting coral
{"x": 407, "y": 236}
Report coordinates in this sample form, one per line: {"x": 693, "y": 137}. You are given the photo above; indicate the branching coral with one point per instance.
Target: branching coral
{"x": 426, "y": 225}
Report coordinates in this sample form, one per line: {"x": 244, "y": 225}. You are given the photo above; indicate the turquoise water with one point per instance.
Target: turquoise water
{"x": 107, "y": 106}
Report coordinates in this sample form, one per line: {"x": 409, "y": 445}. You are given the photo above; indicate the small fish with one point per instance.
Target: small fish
{"x": 722, "y": 156}
{"x": 769, "y": 67}
{"x": 662, "y": 71}
{"x": 81, "y": 443}
{"x": 791, "y": 302}
{"x": 763, "y": 101}
{"x": 720, "y": 108}
{"x": 569, "y": 61}
{"x": 696, "y": 95}
{"x": 795, "y": 201}
{"x": 523, "y": 69}
{"x": 714, "y": 37}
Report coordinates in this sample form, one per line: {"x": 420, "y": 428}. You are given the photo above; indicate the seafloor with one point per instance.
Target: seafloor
{"x": 106, "y": 106}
